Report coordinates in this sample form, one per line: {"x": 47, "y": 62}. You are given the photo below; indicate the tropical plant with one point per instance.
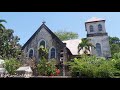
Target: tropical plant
{"x": 48, "y": 68}
{"x": 94, "y": 67}
{"x": 85, "y": 44}
{"x": 43, "y": 52}
{"x": 9, "y": 46}
{"x": 114, "y": 45}
{"x": 11, "y": 65}
{"x": 116, "y": 56}
{"x": 51, "y": 67}
{"x": 41, "y": 67}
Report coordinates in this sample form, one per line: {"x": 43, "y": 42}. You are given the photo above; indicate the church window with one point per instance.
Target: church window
{"x": 52, "y": 53}
{"x": 100, "y": 27}
{"x": 91, "y": 28}
{"x": 31, "y": 53}
{"x": 42, "y": 42}
{"x": 98, "y": 49}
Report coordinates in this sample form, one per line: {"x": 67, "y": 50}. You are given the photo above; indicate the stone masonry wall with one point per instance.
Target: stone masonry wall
{"x": 50, "y": 42}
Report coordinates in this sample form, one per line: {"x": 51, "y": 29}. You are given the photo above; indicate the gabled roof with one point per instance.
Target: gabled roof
{"x": 52, "y": 34}
{"x": 94, "y": 19}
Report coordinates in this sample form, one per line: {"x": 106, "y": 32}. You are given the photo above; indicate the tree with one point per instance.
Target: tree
{"x": 114, "y": 45}
{"x": 85, "y": 44}
{"x": 9, "y": 46}
{"x": 1, "y": 25}
{"x": 11, "y": 65}
{"x": 66, "y": 35}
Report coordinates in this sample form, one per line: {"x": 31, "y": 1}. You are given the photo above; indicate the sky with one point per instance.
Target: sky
{"x": 25, "y": 24}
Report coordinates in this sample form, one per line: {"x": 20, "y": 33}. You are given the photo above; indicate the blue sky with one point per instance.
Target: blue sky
{"x": 25, "y": 24}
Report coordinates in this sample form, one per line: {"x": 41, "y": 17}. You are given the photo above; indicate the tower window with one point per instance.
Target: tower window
{"x": 98, "y": 49}
{"x": 100, "y": 27}
{"x": 91, "y": 28}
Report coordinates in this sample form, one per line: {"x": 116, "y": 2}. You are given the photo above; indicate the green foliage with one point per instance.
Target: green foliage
{"x": 11, "y": 65}
{"x": 65, "y": 35}
{"x": 9, "y": 46}
{"x": 105, "y": 70}
{"x": 51, "y": 68}
{"x": 43, "y": 52}
{"x": 93, "y": 67}
{"x": 85, "y": 44}
{"x": 46, "y": 68}
{"x": 116, "y": 55}
{"x": 114, "y": 45}
{"x": 42, "y": 66}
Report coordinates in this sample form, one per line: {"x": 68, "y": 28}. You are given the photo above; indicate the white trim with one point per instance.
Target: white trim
{"x": 29, "y": 51}
{"x": 40, "y": 42}
{"x": 50, "y": 52}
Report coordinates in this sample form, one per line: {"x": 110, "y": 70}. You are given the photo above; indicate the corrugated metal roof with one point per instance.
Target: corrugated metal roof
{"x": 72, "y": 45}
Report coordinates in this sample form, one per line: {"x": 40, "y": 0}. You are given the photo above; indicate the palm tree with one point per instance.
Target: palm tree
{"x": 1, "y": 25}
{"x": 85, "y": 44}
{"x": 8, "y": 42}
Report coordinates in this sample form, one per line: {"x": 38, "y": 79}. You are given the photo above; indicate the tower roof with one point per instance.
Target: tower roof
{"x": 94, "y": 19}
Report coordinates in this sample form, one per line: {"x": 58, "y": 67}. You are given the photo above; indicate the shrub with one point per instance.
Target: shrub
{"x": 116, "y": 55}
{"x": 42, "y": 66}
{"x": 11, "y": 65}
{"x": 94, "y": 67}
{"x": 48, "y": 68}
{"x": 51, "y": 68}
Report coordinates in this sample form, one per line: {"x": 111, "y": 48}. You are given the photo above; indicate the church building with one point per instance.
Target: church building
{"x": 64, "y": 50}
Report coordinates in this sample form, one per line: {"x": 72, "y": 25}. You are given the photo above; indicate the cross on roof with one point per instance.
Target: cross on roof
{"x": 43, "y": 22}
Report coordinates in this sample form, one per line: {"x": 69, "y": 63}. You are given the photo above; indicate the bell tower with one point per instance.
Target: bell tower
{"x": 98, "y": 36}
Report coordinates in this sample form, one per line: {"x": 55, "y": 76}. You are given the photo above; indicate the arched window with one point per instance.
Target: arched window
{"x": 100, "y": 27}
{"x": 42, "y": 42}
{"x": 52, "y": 53}
{"x": 31, "y": 53}
{"x": 98, "y": 49}
{"x": 91, "y": 28}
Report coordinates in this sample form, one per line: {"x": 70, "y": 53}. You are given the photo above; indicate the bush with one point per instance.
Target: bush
{"x": 105, "y": 70}
{"x": 42, "y": 66}
{"x": 117, "y": 64}
{"x": 93, "y": 67}
{"x": 51, "y": 68}
{"x": 116, "y": 55}
{"x": 11, "y": 65}
{"x": 47, "y": 68}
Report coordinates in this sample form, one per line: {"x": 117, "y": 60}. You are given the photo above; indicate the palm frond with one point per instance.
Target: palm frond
{"x": 2, "y": 26}
{"x": 3, "y": 21}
